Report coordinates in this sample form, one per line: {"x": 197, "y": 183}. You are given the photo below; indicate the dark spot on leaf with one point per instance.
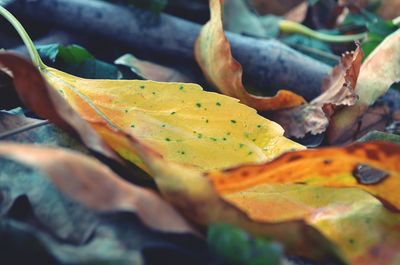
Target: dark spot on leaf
{"x": 244, "y": 173}
{"x": 241, "y": 145}
{"x": 126, "y": 111}
{"x": 258, "y": 126}
{"x": 218, "y": 104}
{"x": 372, "y": 154}
{"x": 172, "y": 113}
{"x": 233, "y": 121}
{"x": 224, "y": 139}
{"x": 163, "y": 125}
{"x": 327, "y": 162}
{"x": 294, "y": 158}
{"x": 142, "y": 87}
{"x": 167, "y": 139}
{"x": 213, "y": 139}
{"x": 367, "y": 175}
{"x": 132, "y": 126}
{"x": 181, "y": 88}
{"x": 198, "y": 105}
{"x": 206, "y": 121}
{"x": 249, "y": 153}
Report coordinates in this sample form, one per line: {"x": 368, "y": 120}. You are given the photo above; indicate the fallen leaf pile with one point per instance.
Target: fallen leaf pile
{"x": 211, "y": 157}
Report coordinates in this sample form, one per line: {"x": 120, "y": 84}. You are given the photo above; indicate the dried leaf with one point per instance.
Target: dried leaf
{"x": 379, "y": 71}
{"x": 213, "y": 54}
{"x": 95, "y": 186}
{"x": 338, "y": 90}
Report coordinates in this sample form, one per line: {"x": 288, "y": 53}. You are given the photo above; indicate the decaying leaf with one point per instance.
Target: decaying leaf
{"x": 338, "y": 90}
{"x": 379, "y": 71}
{"x": 213, "y": 54}
{"x": 95, "y": 186}
{"x": 181, "y": 121}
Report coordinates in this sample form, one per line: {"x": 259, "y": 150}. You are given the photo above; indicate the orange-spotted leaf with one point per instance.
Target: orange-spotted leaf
{"x": 373, "y": 167}
{"x": 326, "y": 189}
{"x": 313, "y": 190}
{"x": 213, "y": 54}
{"x": 338, "y": 90}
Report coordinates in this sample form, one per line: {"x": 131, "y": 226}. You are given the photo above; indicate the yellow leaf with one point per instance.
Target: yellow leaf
{"x": 181, "y": 121}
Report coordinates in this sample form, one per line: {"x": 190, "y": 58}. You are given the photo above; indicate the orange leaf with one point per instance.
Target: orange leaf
{"x": 213, "y": 54}
{"x": 330, "y": 167}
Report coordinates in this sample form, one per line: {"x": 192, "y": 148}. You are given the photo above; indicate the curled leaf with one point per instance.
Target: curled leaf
{"x": 213, "y": 54}
{"x": 338, "y": 90}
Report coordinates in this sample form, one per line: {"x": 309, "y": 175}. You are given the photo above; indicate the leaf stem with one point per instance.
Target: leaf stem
{"x": 287, "y": 26}
{"x": 24, "y": 36}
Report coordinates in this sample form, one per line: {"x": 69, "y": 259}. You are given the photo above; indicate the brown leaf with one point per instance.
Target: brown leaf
{"x": 95, "y": 186}
{"x": 46, "y": 102}
{"x": 338, "y": 90}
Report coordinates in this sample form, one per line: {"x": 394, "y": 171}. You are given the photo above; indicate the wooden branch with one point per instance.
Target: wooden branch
{"x": 268, "y": 64}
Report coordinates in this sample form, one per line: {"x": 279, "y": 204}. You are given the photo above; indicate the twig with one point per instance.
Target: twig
{"x": 268, "y": 64}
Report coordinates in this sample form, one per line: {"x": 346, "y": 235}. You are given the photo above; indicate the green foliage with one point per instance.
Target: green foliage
{"x": 314, "y": 48}
{"x": 380, "y": 136}
{"x": 76, "y": 60}
{"x": 378, "y": 29}
{"x": 238, "y": 247}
